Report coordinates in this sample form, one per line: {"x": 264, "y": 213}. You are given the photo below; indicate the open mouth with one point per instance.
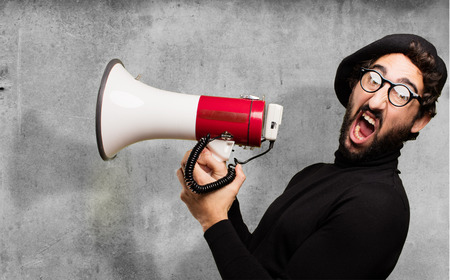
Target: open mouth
{"x": 363, "y": 128}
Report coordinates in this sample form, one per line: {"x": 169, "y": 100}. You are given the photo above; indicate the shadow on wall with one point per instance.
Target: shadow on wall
{"x": 72, "y": 216}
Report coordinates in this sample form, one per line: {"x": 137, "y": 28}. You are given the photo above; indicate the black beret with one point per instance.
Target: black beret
{"x": 395, "y": 43}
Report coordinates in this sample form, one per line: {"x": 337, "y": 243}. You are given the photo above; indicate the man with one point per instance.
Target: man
{"x": 349, "y": 219}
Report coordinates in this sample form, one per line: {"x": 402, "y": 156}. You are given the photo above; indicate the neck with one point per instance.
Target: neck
{"x": 343, "y": 159}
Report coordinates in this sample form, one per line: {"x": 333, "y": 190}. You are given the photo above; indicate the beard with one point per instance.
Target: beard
{"x": 391, "y": 141}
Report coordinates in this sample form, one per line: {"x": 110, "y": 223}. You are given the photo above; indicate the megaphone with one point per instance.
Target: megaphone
{"x": 129, "y": 111}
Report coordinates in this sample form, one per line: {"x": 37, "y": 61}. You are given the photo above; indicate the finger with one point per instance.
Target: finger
{"x": 202, "y": 174}
{"x": 185, "y": 193}
{"x": 180, "y": 175}
{"x": 216, "y": 166}
{"x": 185, "y": 158}
{"x": 204, "y": 167}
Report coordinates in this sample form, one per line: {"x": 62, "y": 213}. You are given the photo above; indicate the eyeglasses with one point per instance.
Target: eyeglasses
{"x": 398, "y": 94}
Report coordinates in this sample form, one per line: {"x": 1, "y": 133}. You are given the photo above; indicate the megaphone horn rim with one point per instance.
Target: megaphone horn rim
{"x": 98, "y": 115}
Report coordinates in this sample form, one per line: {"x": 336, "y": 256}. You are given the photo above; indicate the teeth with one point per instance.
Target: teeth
{"x": 357, "y": 129}
{"x": 369, "y": 119}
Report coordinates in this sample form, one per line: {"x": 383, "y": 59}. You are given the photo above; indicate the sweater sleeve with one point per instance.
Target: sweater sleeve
{"x": 232, "y": 258}
{"x": 362, "y": 239}
{"x": 235, "y": 217}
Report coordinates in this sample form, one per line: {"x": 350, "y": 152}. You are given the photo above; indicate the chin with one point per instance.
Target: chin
{"x": 355, "y": 152}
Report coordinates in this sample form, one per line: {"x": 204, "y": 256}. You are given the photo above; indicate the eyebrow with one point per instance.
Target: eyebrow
{"x": 382, "y": 69}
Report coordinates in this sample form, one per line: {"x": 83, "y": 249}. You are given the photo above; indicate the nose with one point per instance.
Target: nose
{"x": 379, "y": 99}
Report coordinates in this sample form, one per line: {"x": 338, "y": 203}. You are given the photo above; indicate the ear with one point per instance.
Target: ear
{"x": 420, "y": 123}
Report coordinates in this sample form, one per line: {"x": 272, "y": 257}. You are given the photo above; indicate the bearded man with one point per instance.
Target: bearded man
{"x": 348, "y": 219}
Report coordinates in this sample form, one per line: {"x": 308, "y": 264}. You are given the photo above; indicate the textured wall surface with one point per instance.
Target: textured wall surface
{"x": 66, "y": 214}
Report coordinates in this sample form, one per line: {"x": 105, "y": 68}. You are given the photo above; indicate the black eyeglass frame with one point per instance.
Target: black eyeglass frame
{"x": 412, "y": 95}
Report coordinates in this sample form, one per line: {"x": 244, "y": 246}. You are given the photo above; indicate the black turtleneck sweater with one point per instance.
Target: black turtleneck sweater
{"x": 333, "y": 221}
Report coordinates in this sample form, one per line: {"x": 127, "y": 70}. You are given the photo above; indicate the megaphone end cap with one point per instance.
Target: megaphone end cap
{"x": 98, "y": 116}
{"x": 105, "y": 158}
{"x": 101, "y": 150}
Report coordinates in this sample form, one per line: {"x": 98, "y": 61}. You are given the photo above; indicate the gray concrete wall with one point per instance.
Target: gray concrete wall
{"x": 66, "y": 214}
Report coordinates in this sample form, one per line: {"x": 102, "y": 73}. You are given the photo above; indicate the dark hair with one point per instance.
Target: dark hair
{"x": 431, "y": 77}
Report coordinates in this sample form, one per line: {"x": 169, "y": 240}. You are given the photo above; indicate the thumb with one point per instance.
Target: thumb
{"x": 240, "y": 176}
{"x": 239, "y": 179}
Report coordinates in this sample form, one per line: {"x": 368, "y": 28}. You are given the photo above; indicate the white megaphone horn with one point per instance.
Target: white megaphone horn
{"x": 129, "y": 111}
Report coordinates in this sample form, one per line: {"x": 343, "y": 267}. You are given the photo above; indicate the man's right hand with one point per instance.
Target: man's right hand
{"x": 212, "y": 207}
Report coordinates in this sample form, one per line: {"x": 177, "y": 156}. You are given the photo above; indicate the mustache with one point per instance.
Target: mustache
{"x": 366, "y": 108}
{"x": 377, "y": 114}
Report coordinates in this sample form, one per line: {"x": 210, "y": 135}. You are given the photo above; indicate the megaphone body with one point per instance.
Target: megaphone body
{"x": 129, "y": 111}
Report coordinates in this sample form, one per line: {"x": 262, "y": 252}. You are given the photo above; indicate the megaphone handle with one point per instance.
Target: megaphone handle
{"x": 189, "y": 171}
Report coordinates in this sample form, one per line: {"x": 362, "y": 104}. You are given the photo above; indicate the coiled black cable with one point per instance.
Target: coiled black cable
{"x": 222, "y": 182}
{"x": 189, "y": 171}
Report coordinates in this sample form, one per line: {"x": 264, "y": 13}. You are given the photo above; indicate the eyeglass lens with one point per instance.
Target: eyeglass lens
{"x": 372, "y": 81}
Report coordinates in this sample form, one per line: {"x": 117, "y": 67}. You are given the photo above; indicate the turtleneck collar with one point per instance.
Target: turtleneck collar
{"x": 387, "y": 159}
